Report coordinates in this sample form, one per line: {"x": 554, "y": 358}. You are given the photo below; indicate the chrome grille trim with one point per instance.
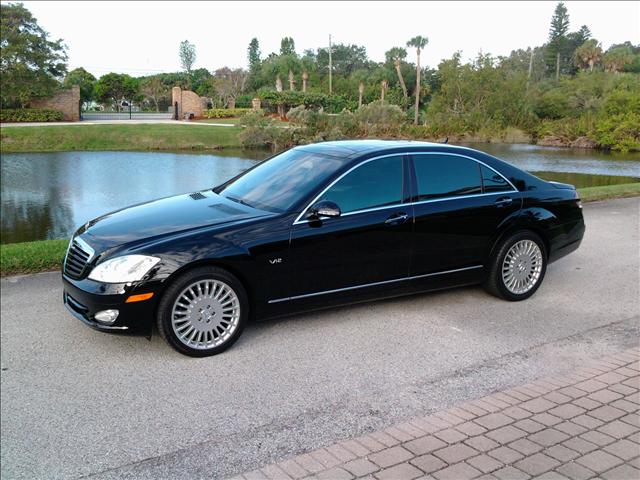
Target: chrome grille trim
{"x": 79, "y": 254}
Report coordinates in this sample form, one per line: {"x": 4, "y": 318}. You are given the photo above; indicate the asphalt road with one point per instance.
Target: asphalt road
{"x": 75, "y": 402}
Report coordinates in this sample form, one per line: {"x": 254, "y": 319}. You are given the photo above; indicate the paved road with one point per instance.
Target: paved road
{"x": 80, "y": 403}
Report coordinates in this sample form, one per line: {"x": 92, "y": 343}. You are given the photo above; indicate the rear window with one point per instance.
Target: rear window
{"x": 441, "y": 176}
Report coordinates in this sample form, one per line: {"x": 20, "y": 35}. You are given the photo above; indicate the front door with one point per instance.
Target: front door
{"x": 368, "y": 243}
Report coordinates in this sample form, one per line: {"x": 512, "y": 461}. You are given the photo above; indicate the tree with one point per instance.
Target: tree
{"x": 153, "y": 89}
{"x": 115, "y": 87}
{"x": 229, "y": 84}
{"x": 397, "y": 55}
{"x": 616, "y": 58}
{"x": 187, "y": 55}
{"x": 253, "y": 54}
{"x": 557, "y": 34}
{"x": 418, "y": 43}
{"x": 31, "y": 65}
{"x": 588, "y": 54}
{"x": 287, "y": 46}
{"x": 84, "y": 80}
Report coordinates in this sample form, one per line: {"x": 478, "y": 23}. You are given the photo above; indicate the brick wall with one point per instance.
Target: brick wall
{"x": 188, "y": 102}
{"x": 66, "y": 101}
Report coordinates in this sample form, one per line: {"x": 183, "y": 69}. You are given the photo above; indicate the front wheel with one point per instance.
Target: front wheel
{"x": 203, "y": 312}
{"x": 518, "y": 267}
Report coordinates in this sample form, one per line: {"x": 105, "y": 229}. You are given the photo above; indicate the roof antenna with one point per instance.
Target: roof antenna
{"x": 446, "y": 140}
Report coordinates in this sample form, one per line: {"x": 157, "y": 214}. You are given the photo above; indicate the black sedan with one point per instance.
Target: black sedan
{"x": 315, "y": 226}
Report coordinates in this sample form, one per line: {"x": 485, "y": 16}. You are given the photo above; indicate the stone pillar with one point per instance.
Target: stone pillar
{"x": 255, "y": 103}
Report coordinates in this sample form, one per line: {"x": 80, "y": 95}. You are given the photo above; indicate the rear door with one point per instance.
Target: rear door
{"x": 459, "y": 205}
{"x": 368, "y": 243}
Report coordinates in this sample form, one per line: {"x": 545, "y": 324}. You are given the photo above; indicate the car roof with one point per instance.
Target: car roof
{"x": 353, "y": 148}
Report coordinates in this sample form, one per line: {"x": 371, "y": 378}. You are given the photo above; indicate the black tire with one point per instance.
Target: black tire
{"x": 494, "y": 283}
{"x": 165, "y": 309}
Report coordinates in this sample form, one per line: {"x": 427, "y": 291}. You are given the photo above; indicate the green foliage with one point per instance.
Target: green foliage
{"x": 380, "y": 119}
{"x": 552, "y": 104}
{"x": 293, "y": 98}
{"x": 262, "y": 131}
{"x": 287, "y": 46}
{"x": 187, "y": 53}
{"x": 31, "y": 64}
{"x": 85, "y": 80}
{"x": 619, "y": 132}
{"x": 30, "y": 115}
{"x": 225, "y": 112}
{"x": 115, "y": 87}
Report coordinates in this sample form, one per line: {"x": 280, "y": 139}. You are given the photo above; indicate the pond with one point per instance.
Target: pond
{"x": 48, "y": 195}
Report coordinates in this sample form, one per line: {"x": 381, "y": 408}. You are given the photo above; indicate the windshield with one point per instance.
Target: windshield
{"x": 280, "y": 182}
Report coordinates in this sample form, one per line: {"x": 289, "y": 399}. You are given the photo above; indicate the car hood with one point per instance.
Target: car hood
{"x": 154, "y": 220}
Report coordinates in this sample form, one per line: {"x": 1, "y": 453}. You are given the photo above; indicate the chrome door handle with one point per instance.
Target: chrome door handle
{"x": 503, "y": 202}
{"x": 396, "y": 219}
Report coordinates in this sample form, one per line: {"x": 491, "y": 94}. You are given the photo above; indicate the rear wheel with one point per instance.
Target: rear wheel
{"x": 203, "y": 312}
{"x": 518, "y": 267}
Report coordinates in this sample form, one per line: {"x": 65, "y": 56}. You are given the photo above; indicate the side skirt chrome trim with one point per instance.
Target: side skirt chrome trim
{"x": 356, "y": 287}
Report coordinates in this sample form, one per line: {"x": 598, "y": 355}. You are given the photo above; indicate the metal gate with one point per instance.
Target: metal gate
{"x": 128, "y": 112}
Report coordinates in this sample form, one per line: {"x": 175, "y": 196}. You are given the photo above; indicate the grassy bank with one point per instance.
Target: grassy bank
{"x": 591, "y": 194}
{"x": 57, "y": 138}
{"x": 31, "y": 257}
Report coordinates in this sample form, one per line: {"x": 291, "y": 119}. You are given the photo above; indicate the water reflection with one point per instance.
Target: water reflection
{"x": 48, "y": 195}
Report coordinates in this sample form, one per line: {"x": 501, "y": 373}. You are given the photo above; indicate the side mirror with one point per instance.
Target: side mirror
{"x": 323, "y": 208}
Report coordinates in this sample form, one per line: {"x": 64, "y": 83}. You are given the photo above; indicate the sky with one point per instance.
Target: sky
{"x": 141, "y": 38}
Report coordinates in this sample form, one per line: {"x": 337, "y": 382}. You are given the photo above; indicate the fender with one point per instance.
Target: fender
{"x": 536, "y": 219}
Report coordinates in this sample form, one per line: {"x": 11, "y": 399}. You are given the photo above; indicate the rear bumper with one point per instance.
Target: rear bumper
{"x": 85, "y": 298}
{"x": 568, "y": 241}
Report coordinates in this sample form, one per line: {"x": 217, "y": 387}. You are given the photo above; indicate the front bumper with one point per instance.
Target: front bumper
{"x": 85, "y": 298}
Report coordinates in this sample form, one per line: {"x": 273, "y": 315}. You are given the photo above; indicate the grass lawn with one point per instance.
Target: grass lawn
{"x": 60, "y": 138}
{"x": 30, "y": 257}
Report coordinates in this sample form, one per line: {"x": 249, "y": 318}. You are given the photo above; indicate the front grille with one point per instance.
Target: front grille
{"x": 78, "y": 256}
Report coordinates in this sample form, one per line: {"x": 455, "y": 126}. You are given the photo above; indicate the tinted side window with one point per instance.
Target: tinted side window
{"x": 441, "y": 176}
{"x": 493, "y": 182}
{"x": 374, "y": 184}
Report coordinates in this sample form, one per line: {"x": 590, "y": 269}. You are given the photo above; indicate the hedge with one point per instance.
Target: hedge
{"x": 30, "y": 115}
{"x": 225, "y": 112}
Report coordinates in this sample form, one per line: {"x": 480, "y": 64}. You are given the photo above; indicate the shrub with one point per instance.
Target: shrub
{"x": 261, "y": 131}
{"x": 292, "y": 98}
{"x": 30, "y": 115}
{"x": 313, "y": 122}
{"x": 619, "y": 132}
{"x": 380, "y": 118}
{"x": 225, "y": 112}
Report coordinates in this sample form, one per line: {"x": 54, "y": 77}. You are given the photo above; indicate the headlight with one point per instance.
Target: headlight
{"x": 128, "y": 268}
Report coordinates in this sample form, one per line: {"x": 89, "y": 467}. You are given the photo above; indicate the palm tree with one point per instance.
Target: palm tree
{"x": 616, "y": 58}
{"x": 588, "y": 54}
{"x": 292, "y": 80}
{"x": 383, "y": 88}
{"x": 396, "y": 55}
{"x": 305, "y": 78}
{"x": 419, "y": 43}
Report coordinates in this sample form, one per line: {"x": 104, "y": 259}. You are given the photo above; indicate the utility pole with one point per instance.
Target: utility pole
{"x": 330, "y": 67}
{"x": 530, "y": 68}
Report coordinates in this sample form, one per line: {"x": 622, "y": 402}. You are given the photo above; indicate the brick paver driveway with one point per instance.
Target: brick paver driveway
{"x": 581, "y": 426}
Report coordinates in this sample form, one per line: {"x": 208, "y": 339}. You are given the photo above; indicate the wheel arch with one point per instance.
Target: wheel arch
{"x": 520, "y": 225}
{"x": 211, "y": 262}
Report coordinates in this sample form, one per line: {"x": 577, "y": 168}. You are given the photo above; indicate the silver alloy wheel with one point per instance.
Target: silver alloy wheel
{"x": 522, "y": 267}
{"x": 205, "y": 314}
